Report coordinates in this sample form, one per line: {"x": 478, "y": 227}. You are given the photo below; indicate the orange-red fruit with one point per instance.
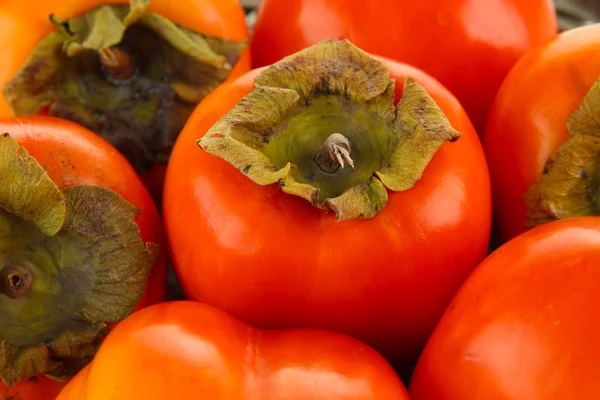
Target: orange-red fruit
{"x": 528, "y": 120}
{"x": 183, "y": 350}
{"x": 469, "y": 45}
{"x": 275, "y": 261}
{"x": 525, "y": 324}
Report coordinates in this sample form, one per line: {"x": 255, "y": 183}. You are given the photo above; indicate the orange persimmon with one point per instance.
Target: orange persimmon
{"x": 183, "y": 350}
{"x": 468, "y": 45}
{"x": 81, "y": 248}
{"x": 524, "y": 325}
{"x": 131, "y": 71}
{"x": 541, "y": 139}
{"x": 409, "y": 211}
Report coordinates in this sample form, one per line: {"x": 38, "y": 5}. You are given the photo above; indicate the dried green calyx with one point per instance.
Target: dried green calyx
{"x": 322, "y": 124}
{"x": 129, "y": 75}
{"x": 570, "y": 183}
{"x": 71, "y": 260}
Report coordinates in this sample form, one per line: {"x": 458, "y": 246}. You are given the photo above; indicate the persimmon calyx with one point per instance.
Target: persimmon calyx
{"x": 130, "y": 75}
{"x": 71, "y": 261}
{"x": 276, "y": 133}
{"x": 570, "y": 182}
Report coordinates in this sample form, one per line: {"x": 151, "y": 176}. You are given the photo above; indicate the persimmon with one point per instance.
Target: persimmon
{"x": 468, "y": 45}
{"x": 182, "y": 350}
{"x": 81, "y": 247}
{"x": 130, "y": 70}
{"x": 332, "y": 190}
{"x": 542, "y": 136}
{"x": 525, "y": 323}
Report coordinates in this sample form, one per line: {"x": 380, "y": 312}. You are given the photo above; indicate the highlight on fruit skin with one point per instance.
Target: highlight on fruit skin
{"x": 212, "y": 353}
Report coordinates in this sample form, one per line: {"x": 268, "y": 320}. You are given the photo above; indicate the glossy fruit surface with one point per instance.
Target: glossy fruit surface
{"x": 469, "y": 45}
{"x": 528, "y": 120}
{"x": 72, "y": 155}
{"x": 26, "y": 25}
{"x": 38, "y": 388}
{"x": 524, "y": 325}
{"x": 274, "y": 261}
{"x": 211, "y": 353}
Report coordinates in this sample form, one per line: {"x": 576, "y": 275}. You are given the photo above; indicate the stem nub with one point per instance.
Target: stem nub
{"x": 15, "y": 281}
{"x": 336, "y": 151}
{"x": 117, "y": 64}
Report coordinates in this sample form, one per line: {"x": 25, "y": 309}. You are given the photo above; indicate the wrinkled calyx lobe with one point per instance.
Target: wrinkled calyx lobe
{"x": 569, "y": 184}
{"x": 129, "y": 75}
{"x": 71, "y": 260}
{"x": 322, "y": 124}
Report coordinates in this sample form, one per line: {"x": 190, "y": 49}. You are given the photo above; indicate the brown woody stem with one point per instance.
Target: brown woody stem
{"x": 335, "y": 153}
{"x": 117, "y": 64}
{"x": 15, "y": 281}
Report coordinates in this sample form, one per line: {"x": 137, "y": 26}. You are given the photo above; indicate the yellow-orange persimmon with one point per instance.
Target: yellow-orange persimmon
{"x": 181, "y": 350}
{"x": 131, "y": 71}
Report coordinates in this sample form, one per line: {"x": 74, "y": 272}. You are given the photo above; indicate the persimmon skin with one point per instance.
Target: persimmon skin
{"x": 527, "y": 121}
{"x": 75, "y": 388}
{"x": 25, "y": 24}
{"x": 274, "y": 261}
{"x": 183, "y": 349}
{"x": 468, "y": 45}
{"x": 524, "y": 325}
{"x": 73, "y": 155}
{"x": 37, "y": 388}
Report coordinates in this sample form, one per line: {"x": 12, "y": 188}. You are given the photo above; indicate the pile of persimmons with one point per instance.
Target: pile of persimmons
{"x": 383, "y": 199}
